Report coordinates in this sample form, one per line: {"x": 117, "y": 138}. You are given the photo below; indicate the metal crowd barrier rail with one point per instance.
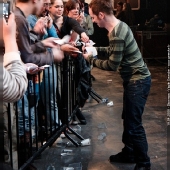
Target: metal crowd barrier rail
{"x": 41, "y": 115}
{"x": 46, "y": 110}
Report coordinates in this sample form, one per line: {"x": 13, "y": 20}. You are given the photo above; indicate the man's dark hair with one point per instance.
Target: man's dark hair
{"x": 105, "y": 6}
{"x": 120, "y": 3}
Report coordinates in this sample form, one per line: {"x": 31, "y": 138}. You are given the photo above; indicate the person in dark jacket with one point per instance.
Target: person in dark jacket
{"x": 65, "y": 24}
{"x": 33, "y": 53}
{"x": 119, "y": 12}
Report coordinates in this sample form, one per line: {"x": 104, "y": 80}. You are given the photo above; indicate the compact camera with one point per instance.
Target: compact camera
{"x": 79, "y": 45}
{"x": 80, "y": 11}
{"x": 6, "y": 10}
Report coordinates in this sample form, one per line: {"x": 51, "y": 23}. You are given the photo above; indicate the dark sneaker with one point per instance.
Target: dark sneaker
{"x": 142, "y": 168}
{"x": 121, "y": 158}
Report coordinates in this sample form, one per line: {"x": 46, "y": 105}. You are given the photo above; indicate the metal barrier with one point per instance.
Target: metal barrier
{"x": 41, "y": 115}
{"x": 46, "y": 110}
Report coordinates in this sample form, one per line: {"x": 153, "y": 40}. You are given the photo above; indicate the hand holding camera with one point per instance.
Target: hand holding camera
{"x": 49, "y": 21}
{"x": 80, "y": 18}
{"x": 9, "y": 34}
{"x": 40, "y": 26}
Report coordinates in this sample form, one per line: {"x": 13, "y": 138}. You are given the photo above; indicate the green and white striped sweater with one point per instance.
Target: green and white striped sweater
{"x": 124, "y": 55}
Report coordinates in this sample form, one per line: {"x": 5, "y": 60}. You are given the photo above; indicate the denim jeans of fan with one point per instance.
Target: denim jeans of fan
{"x": 134, "y": 137}
{"x": 48, "y": 95}
{"x": 24, "y": 115}
{"x": 26, "y": 111}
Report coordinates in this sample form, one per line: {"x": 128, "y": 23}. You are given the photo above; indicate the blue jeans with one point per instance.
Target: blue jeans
{"x": 25, "y": 111}
{"x": 134, "y": 137}
{"x": 48, "y": 95}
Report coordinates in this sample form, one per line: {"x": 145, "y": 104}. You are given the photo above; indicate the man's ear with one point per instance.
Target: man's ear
{"x": 101, "y": 15}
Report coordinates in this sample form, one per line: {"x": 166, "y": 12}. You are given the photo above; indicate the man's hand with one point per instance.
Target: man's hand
{"x": 32, "y": 68}
{"x": 58, "y": 54}
{"x": 80, "y": 18}
{"x": 49, "y": 21}
{"x": 9, "y": 34}
{"x": 9, "y": 29}
{"x": 68, "y": 48}
{"x": 40, "y": 26}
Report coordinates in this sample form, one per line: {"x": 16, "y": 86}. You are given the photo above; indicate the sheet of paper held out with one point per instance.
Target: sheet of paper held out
{"x": 77, "y": 51}
{"x": 91, "y": 50}
{"x": 45, "y": 66}
{"x": 62, "y": 41}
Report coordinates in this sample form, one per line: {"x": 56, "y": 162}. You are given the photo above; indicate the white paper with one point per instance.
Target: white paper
{"x": 62, "y": 41}
{"x": 91, "y": 50}
{"x": 90, "y": 43}
{"x": 45, "y": 66}
{"x": 77, "y": 51}
{"x": 110, "y": 103}
{"x": 59, "y": 41}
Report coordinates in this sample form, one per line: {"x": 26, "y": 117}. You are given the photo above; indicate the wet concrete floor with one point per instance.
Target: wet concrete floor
{"x": 104, "y": 120}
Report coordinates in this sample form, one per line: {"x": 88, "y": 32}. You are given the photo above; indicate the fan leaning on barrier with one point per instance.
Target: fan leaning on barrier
{"x": 84, "y": 84}
{"x": 83, "y": 88}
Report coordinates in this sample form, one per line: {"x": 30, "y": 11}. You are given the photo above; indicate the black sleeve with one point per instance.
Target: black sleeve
{"x": 122, "y": 16}
{"x": 38, "y": 47}
{"x": 71, "y": 24}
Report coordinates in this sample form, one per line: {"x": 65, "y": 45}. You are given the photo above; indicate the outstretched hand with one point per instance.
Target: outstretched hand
{"x": 32, "y": 68}
{"x": 68, "y": 48}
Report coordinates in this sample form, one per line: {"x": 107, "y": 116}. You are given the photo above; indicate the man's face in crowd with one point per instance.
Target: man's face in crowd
{"x": 45, "y": 8}
{"x": 38, "y": 7}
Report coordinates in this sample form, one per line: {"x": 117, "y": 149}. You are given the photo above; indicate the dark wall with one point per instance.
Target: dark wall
{"x": 148, "y": 8}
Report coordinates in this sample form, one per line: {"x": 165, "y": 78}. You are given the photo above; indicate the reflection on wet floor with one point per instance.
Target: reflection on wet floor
{"x": 104, "y": 127}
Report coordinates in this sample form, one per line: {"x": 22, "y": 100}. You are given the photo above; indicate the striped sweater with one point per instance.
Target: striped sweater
{"x": 14, "y": 77}
{"x": 124, "y": 55}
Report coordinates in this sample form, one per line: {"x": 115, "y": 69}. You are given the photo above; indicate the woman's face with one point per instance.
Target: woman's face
{"x": 74, "y": 13}
{"x": 57, "y": 8}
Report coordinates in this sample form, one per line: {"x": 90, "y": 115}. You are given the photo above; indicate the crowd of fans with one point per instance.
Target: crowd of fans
{"x": 33, "y": 27}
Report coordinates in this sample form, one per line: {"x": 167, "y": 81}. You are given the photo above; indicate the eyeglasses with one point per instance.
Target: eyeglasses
{"x": 47, "y": 4}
